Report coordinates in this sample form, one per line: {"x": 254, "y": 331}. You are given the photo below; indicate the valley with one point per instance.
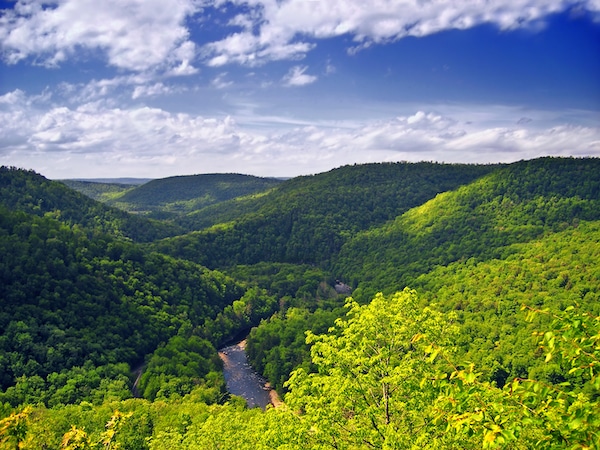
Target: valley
{"x": 469, "y": 318}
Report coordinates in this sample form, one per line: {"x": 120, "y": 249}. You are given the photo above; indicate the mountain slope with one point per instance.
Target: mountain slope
{"x": 307, "y": 219}
{"x": 32, "y": 193}
{"x": 554, "y": 272}
{"x": 515, "y": 236}
{"x": 513, "y": 204}
{"x": 73, "y": 297}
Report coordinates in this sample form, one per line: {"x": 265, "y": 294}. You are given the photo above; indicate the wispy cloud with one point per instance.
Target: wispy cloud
{"x": 221, "y": 82}
{"x": 297, "y": 77}
{"x": 152, "y": 90}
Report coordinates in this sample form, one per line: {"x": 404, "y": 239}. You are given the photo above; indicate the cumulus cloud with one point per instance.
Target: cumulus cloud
{"x": 140, "y": 35}
{"x": 132, "y": 34}
{"x": 273, "y": 30}
{"x": 248, "y": 49}
{"x": 297, "y": 77}
{"x": 100, "y": 139}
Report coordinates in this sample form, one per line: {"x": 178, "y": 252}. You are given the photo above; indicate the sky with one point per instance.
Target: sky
{"x": 281, "y": 88}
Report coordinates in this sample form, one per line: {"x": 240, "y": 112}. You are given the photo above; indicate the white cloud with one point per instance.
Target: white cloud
{"x": 248, "y": 49}
{"x": 142, "y": 35}
{"x": 297, "y": 77}
{"x": 275, "y": 30}
{"x": 132, "y": 34}
{"x": 13, "y": 98}
{"x": 101, "y": 139}
{"x": 112, "y": 90}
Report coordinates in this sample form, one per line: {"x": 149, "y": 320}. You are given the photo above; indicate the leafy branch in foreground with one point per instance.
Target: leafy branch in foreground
{"x": 13, "y": 429}
{"x": 367, "y": 393}
{"x": 529, "y": 413}
{"x": 76, "y": 438}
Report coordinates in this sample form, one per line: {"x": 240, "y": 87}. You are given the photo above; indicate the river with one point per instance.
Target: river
{"x": 242, "y": 380}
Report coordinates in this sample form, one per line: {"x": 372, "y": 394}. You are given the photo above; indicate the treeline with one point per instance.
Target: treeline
{"x": 178, "y": 196}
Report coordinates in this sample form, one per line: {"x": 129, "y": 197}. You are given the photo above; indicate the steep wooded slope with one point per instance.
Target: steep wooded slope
{"x": 513, "y": 204}
{"x": 80, "y": 302}
{"x": 514, "y": 237}
{"x": 558, "y": 271}
{"x": 73, "y": 297}
{"x": 32, "y": 193}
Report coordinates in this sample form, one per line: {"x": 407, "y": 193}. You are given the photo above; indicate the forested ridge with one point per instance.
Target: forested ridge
{"x": 101, "y": 191}
{"x": 497, "y": 346}
{"x": 514, "y": 204}
{"x": 306, "y": 220}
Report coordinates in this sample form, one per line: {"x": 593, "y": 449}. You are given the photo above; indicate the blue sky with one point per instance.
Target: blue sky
{"x": 154, "y": 88}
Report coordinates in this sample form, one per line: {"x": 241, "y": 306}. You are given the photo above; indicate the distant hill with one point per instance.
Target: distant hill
{"x": 126, "y": 181}
{"x": 183, "y": 194}
{"x": 100, "y": 191}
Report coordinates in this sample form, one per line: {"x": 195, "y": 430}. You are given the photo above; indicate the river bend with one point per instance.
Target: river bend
{"x": 242, "y": 379}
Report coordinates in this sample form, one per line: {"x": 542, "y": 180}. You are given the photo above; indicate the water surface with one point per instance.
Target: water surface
{"x": 241, "y": 378}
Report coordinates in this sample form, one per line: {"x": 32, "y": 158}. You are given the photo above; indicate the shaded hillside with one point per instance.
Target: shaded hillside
{"x": 517, "y": 203}
{"x": 32, "y": 193}
{"x": 307, "y": 219}
{"x": 74, "y": 298}
{"x": 516, "y": 236}
{"x": 183, "y": 194}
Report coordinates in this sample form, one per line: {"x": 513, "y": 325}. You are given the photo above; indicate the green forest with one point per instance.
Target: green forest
{"x": 391, "y": 306}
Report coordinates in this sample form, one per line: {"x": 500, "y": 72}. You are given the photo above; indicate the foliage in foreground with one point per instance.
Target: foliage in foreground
{"x": 385, "y": 379}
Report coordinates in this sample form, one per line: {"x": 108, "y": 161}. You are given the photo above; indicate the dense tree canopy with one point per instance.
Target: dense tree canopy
{"x": 514, "y": 204}
{"x": 71, "y": 298}
{"x": 308, "y": 219}
{"x": 497, "y": 346}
